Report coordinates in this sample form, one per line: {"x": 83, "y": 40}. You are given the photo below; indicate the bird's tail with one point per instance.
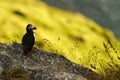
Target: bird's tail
{"x": 25, "y": 53}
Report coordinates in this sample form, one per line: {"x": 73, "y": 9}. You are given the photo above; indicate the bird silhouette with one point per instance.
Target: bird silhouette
{"x": 28, "y": 40}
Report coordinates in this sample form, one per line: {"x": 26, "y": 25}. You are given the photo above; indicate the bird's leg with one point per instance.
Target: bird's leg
{"x": 30, "y": 52}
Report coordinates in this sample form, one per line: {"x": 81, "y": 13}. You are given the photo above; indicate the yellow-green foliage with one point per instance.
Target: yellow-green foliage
{"x": 72, "y": 35}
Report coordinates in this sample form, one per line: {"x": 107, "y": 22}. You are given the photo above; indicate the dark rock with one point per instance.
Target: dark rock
{"x": 41, "y": 65}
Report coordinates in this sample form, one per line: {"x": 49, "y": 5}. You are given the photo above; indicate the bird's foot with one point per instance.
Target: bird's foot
{"x": 30, "y": 52}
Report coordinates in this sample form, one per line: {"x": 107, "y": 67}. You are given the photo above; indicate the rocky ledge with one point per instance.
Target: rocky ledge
{"x": 41, "y": 65}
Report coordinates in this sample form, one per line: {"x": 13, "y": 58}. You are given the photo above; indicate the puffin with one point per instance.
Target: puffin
{"x": 28, "y": 40}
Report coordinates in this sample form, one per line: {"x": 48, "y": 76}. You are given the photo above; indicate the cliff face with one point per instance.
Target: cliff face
{"x": 41, "y": 65}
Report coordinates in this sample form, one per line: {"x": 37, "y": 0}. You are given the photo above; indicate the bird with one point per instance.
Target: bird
{"x": 28, "y": 40}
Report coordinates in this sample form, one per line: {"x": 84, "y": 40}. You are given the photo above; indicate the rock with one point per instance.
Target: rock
{"x": 41, "y": 65}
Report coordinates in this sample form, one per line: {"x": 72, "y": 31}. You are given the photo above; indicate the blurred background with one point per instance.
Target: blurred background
{"x": 105, "y": 12}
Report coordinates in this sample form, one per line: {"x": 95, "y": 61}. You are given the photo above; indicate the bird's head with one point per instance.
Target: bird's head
{"x": 30, "y": 27}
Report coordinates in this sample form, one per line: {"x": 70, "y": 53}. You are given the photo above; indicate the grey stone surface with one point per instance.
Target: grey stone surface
{"x": 41, "y": 65}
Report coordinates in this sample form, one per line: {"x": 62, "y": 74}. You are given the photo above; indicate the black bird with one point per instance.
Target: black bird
{"x": 28, "y": 39}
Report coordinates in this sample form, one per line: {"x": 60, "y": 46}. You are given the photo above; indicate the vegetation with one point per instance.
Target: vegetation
{"x": 72, "y": 35}
{"x": 14, "y": 74}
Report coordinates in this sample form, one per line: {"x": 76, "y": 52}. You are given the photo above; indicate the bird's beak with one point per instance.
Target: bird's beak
{"x": 34, "y": 28}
